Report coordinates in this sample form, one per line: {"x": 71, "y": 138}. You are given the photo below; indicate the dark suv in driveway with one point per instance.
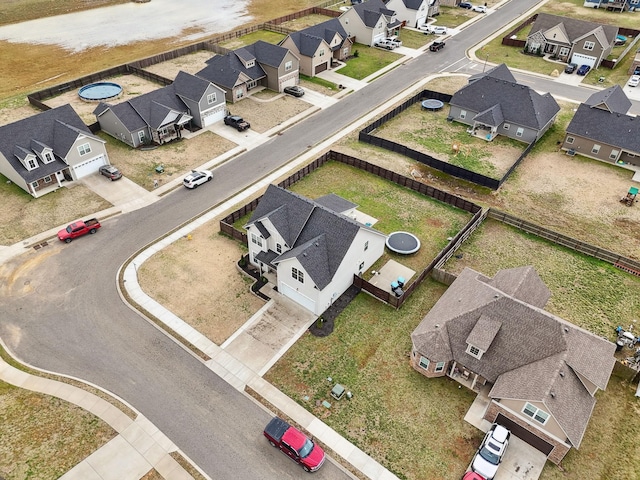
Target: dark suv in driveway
{"x": 570, "y": 68}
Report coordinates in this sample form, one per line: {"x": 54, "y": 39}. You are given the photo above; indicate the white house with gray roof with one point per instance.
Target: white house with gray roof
{"x": 259, "y": 64}
{"x": 415, "y": 13}
{"x": 493, "y": 103}
{"x": 541, "y": 372}
{"x": 315, "y": 247}
{"x": 161, "y": 115}
{"x": 41, "y": 152}
{"x": 601, "y": 129}
{"x": 369, "y": 22}
{"x": 318, "y": 45}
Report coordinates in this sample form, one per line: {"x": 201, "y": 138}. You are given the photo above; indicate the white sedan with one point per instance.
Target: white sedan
{"x": 479, "y": 8}
{"x": 634, "y": 81}
{"x": 197, "y": 177}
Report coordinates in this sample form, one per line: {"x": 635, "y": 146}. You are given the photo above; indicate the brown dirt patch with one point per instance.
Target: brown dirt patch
{"x": 191, "y": 63}
{"x": 215, "y": 297}
{"x": 267, "y": 114}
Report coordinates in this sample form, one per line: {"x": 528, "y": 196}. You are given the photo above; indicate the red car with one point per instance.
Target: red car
{"x": 472, "y": 476}
{"x": 293, "y": 443}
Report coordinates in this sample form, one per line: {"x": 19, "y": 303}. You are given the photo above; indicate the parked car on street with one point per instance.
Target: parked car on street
{"x": 491, "y": 452}
{"x": 110, "y": 172}
{"x": 436, "y": 46}
{"x": 634, "y": 81}
{"x": 293, "y": 443}
{"x": 466, "y": 5}
{"x": 197, "y": 177}
{"x": 570, "y": 68}
{"x": 479, "y": 8}
{"x": 583, "y": 70}
{"x": 236, "y": 122}
{"x": 78, "y": 229}
{"x": 295, "y": 90}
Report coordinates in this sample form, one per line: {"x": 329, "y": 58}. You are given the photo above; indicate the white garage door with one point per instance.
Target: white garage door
{"x": 297, "y": 297}
{"x": 580, "y": 59}
{"x": 88, "y": 166}
{"x": 214, "y": 115}
{"x": 289, "y": 82}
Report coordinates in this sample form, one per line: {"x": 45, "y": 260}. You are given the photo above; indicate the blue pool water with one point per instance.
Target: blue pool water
{"x": 100, "y": 91}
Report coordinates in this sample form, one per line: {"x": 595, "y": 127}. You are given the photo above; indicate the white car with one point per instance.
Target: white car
{"x": 197, "y": 177}
{"x": 491, "y": 452}
{"x": 634, "y": 81}
{"x": 435, "y": 29}
{"x": 479, "y": 8}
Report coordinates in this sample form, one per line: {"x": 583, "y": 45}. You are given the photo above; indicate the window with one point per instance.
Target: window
{"x": 47, "y": 179}
{"x": 519, "y": 132}
{"x": 239, "y": 93}
{"x": 589, "y": 45}
{"x": 570, "y": 140}
{"x": 321, "y": 52}
{"x": 84, "y": 149}
{"x": 361, "y": 266}
{"x": 614, "y": 154}
{"x": 595, "y": 149}
{"x": 211, "y": 98}
{"x": 34, "y": 185}
{"x": 297, "y": 274}
{"x": 345, "y": 52}
{"x": 538, "y": 415}
{"x": 366, "y": 245}
{"x": 439, "y": 367}
{"x": 32, "y": 164}
{"x": 141, "y": 136}
{"x": 474, "y": 351}
{"x": 288, "y": 66}
{"x": 256, "y": 239}
{"x": 424, "y": 362}
{"x": 278, "y": 248}
{"x": 506, "y": 126}
{"x": 48, "y": 158}
{"x": 463, "y": 114}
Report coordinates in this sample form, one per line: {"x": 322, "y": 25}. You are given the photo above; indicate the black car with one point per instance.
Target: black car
{"x": 294, "y": 90}
{"x": 466, "y": 5}
{"x": 570, "y": 68}
{"x": 236, "y": 122}
{"x": 435, "y": 46}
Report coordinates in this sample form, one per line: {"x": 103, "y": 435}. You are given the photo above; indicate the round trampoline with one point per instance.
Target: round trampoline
{"x": 403, "y": 242}
{"x": 432, "y": 105}
{"x": 99, "y": 91}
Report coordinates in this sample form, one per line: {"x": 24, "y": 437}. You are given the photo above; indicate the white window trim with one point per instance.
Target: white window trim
{"x": 506, "y": 126}
{"x": 570, "y": 140}
{"x": 463, "y": 114}
{"x": 589, "y": 45}
{"x": 596, "y": 149}
{"x": 288, "y": 65}
{"x": 439, "y": 367}
{"x": 471, "y": 351}
{"x": 84, "y": 149}
{"x": 32, "y": 164}
{"x": 614, "y": 154}
{"x": 47, "y": 179}
{"x": 211, "y": 98}
{"x": 519, "y": 132}
{"x": 535, "y": 410}
{"x": 424, "y": 362}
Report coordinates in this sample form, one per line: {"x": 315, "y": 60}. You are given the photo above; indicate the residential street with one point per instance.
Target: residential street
{"x": 73, "y": 321}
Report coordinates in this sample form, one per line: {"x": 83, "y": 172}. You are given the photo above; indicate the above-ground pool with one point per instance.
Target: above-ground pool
{"x": 403, "y": 242}
{"x": 100, "y": 91}
{"x": 432, "y": 104}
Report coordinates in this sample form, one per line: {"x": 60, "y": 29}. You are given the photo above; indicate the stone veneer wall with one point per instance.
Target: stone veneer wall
{"x": 559, "y": 449}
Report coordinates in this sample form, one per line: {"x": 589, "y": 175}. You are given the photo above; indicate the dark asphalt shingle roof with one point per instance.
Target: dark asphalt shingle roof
{"x": 518, "y": 104}
{"x": 308, "y": 39}
{"x": 612, "y": 99}
{"x": 528, "y": 347}
{"x": 335, "y": 203}
{"x": 318, "y": 237}
{"x": 57, "y": 129}
{"x": 574, "y": 28}
{"x": 371, "y": 11}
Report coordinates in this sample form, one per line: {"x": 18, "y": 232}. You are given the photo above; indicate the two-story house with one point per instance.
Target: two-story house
{"x": 41, "y": 152}
{"x": 317, "y": 46}
{"x": 571, "y": 40}
{"x": 369, "y": 22}
{"x": 414, "y": 13}
{"x": 259, "y": 64}
{"x": 160, "y": 116}
{"x": 541, "y": 372}
{"x": 315, "y": 247}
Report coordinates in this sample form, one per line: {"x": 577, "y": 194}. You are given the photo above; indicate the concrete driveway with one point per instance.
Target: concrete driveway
{"x": 120, "y": 192}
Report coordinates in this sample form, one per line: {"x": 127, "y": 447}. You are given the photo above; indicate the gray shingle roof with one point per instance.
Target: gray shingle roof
{"x": 519, "y": 104}
{"x": 501, "y": 72}
{"x": 318, "y": 237}
{"x": 531, "y": 355}
{"x": 57, "y": 128}
{"x": 308, "y": 39}
{"x": 616, "y": 129}
{"x": 335, "y": 203}
{"x": 371, "y": 11}
{"x": 612, "y": 99}
{"x": 574, "y": 28}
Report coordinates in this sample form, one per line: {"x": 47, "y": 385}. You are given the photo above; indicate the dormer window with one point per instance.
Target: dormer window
{"x": 474, "y": 351}
{"x": 31, "y": 164}
{"x": 48, "y": 157}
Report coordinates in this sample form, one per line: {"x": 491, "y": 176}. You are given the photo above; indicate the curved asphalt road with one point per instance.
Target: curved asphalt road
{"x": 63, "y": 312}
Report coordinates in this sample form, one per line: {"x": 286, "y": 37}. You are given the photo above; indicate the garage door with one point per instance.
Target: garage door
{"x": 214, "y": 115}
{"x": 580, "y": 59}
{"x": 322, "y": 67}
{"x": 289, "y": 82}
{"x": 524, "y": 434}
{"x": 297, "y": 297}
{"x": 88, "y": 166}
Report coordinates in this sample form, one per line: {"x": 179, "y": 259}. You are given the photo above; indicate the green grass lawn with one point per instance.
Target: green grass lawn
{"x": 368, "y": 61}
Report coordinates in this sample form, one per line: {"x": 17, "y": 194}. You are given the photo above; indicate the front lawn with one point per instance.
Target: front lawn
{"x": 366, "y": 61}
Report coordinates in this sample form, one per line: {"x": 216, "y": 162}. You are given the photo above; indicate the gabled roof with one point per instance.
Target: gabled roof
{"x": 317, "y": 236}
{"x": 413, "y": 4}
{"x": 57, "y": 129}
{"x": 190, "y": 86}
{"x": 518, "y": 104}
{"x": 500, "y": 72}
{"x": 371, "y": 11}
{"x": 601, "y": 119}
{"x": 530, "y": 354}
{"x": 308, "y": 39}
{"x": 335, "y": 203}
{"x": 612, "y": 99}
{"x": 575, "y": 29}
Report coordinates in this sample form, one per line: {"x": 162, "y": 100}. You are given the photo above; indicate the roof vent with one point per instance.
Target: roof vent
{"x": 566, "y": 329}
{"x": 496, "y": 296}
{"x": 317, "y": 244}
{"x": 561, "y": 373}
{"x": 553, "y": 394}
{"x": 304, "y": 254}
{"x": 437, "y": 325}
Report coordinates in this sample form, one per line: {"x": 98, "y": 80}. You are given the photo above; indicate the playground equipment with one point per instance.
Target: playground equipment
{"x": 630, "y": 197}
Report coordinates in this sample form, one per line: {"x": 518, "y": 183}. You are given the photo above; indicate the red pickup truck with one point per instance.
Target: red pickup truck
{"x": 77, "y": 229}
{"x": 294, "y": 444}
